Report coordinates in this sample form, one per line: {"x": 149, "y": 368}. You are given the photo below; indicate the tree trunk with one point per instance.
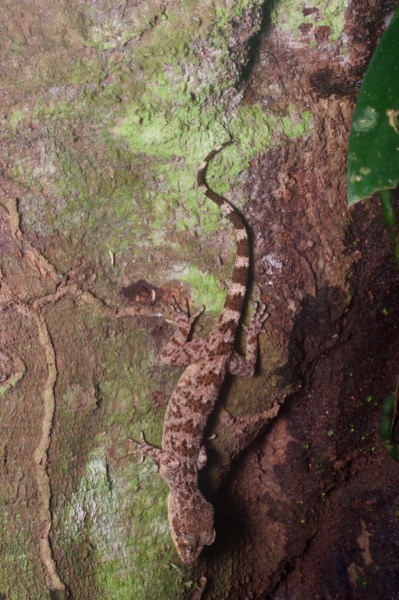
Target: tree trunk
{"x": 107, "y": 110}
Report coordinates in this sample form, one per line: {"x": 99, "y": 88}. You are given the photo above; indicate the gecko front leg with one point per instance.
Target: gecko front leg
{"x": 179, "y": 350}
{"x": 245, "y": 367}
{"x": 146, "y": 449}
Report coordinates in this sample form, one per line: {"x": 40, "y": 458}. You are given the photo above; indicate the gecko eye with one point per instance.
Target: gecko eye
{"x": 211, "y": 538}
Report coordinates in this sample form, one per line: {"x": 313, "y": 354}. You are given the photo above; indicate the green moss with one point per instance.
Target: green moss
{"x": 180, "y": 139}
{"x": 115, "y": 520}
{"x": 16, "y": 116}
{"x": 288, "y": 15}
{"x": 123, "y": 514}
{"x": 92, "y": 70}
{"x": 205, "y": 289}
{"x": 11, "y": 383}
{"x": 299, "y": 126}
{"x": 133, "y": 184}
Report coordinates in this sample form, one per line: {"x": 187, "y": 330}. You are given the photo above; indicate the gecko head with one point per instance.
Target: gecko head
{"x": 191, "y": 529}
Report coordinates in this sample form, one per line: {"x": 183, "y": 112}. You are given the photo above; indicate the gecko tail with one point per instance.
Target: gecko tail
{"x": 237, "y": 290}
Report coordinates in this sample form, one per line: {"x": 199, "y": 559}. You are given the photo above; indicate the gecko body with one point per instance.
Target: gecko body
{"x": 208, "y": 361}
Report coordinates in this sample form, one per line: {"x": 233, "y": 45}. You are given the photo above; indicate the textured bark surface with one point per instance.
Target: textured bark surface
{"x": 310, "y": 510}
{"x": 107, "y": 108}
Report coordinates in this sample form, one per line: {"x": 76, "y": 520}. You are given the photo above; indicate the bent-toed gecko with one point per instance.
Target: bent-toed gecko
{"x": 209, "y": 359}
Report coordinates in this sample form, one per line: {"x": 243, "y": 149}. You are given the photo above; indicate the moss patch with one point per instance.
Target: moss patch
{"x": 115, "y": 517}
{"x": 121, "y": 136}
{"x": 123, "y": 514}
{"x": 289, "y": 15}
{"x": 205, "y": 289}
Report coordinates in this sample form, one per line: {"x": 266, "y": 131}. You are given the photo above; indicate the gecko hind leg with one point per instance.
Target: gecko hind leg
{"x": 245, "y": 367}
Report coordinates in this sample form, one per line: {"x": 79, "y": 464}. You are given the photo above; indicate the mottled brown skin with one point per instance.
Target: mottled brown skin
{"x": 209, "y": 360}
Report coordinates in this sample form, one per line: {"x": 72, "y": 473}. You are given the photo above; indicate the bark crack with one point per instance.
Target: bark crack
{"x": 34, "y": 310}
{"x": 40, "y": 454}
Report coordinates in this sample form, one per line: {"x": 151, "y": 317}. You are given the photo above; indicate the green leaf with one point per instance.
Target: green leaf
{"x": 388, "y": 419}
{"x": 373, "y": 155}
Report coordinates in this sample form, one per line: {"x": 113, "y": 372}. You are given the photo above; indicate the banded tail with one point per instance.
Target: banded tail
{"x": 235, "y": 298}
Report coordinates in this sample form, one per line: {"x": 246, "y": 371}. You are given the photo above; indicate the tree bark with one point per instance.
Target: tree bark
{"x": 107, "y": 110}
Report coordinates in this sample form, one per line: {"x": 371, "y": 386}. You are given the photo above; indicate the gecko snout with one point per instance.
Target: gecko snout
{"x": 189, "y": 547}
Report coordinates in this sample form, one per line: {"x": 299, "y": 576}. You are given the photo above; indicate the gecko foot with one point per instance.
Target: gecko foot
{"x": 258, "y": 318}
{"x": 202, "y": 458}
{"x": 181, "y": 317}
{"x": 260, "y": 312}
{"x": 145, "y": 449}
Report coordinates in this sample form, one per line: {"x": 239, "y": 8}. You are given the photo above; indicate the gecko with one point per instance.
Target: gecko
{"x": 208, "y": 361}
